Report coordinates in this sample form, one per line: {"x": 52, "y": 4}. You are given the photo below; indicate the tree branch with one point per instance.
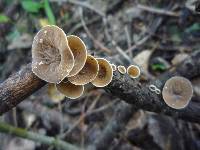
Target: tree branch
{"x": 24, "y": 83}
{"x": 6, "y": 128}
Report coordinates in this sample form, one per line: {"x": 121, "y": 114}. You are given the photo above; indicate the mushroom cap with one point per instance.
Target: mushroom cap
{"x": 105, "y": 73}
{"x": 177, "y": 92}
{"x": 52, "y": 59}
{"x": 121, "y": 69}
{"x": 70, "y": 90}
{"x": 87, "y": 73}
{"x": 133, "y": 71}
{"x": 79, "y": 51}
{"x": 54, "y": 94}
{"x": 114, "y": 67}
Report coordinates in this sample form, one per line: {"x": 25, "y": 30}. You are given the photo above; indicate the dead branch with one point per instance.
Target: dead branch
{"x": 24, "y": 83}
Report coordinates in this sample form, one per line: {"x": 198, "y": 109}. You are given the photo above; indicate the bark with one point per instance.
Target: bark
{"x": 17, "y": 87}
{"x": 24, "y": 83}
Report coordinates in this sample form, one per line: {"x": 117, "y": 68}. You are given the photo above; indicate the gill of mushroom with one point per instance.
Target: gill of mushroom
{"x": 121, "y": 69}
{"x": 87, "y": 73}
{"x": 70, "y": 90}
{"x": 177, "y": 92}
{"x": 79, "y": 51}
{"x": 52, "y": 59}
{"x": 105, "y": 73}
{"x": 133, "y": 71}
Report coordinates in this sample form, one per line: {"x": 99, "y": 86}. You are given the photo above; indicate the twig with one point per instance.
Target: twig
{"x": 157, "y": 11}
{"x": 24, "y": 83}
{"x": 117, "y": 123}
{"x": 97, "y": 43}
{"x": 83, "y": 4}
{"x": 49, "y": 115}
{"x": 6, "y": 128}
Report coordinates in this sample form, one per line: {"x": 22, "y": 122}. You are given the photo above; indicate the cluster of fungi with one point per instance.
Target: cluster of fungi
{"x": 64, "y": 63}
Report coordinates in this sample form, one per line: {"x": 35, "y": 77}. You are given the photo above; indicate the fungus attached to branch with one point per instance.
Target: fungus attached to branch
{"x": 87, "y": 73}
{"x": 133, "y": 71}
{"x": 79, "y": 51}
{"x": 105, "y": 73}
{"x": 177, "y": 92}
{"x": 121, "y": 69}
{"x": 114, "y": 67}
{"x": 70, "y": 90}
{"x": 52, "y": 59}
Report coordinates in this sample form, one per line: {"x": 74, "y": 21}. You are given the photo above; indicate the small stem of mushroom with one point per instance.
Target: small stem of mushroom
{"x": 22, "y": 84}
{"x": 6, "y": 128}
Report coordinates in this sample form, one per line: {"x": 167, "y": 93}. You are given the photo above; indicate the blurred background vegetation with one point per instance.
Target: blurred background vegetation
{"x": 155, "y": 34}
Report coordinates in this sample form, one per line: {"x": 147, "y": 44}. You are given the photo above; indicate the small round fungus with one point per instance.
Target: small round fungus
{"x": 121, "y": 69}
{"x": 87, "y": 73}
{"x": 52, "y": 59}
{"x": 79, "y": 51}
{"x": 105, "y": 73}
{"x": 114, "y": 67}
{"x": 177, "y": 92}
{"x": 70, "y": 90}
{"x": 133, "y": 71}
{"x": 54, "y": 94}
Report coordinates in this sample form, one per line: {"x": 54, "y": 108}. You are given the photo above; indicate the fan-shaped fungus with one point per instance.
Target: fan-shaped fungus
{"x": 54, "y": 94}
{"x": 133, "y": 71}
{"x": 79, "y": 51}
{"x": 105, "y": 73}
{"x": 87, "y": 73}
{"x": 52, "y": 59}
{"x": 177, "y": 92}
{"x": 70, "y": 90}
{"x": 114, "y": 67}
{"x": 121, "y": 69}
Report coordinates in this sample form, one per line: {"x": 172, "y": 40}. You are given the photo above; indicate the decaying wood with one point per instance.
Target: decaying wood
{"x": 17, "y": 87}
{"x": 24, "y": 83}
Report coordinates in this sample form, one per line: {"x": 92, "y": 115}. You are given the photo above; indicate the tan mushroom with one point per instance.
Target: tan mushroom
{"x": 79, "y": 51}
{"x": 70, "y": 90}
{"x": 114, "y": 67}
{"x": 87, "y": 73}
{"x": 54, "y": 94}
{"x": 133, "y": 71}
{"x": 121, "y": 69}
{"x": 177, "y": 92}
{"x": 105, "y": 73}
{"x": 52, "y": 59}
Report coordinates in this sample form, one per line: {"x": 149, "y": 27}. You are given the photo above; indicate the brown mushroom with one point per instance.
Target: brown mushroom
{"x": 177, "y": 92}
{"x": 105, "y": 73}
{"x": 79, "y": 51}
{"x": 70, "y": 90}
{"x": 54, "y": 94}
{"x": 133, "y": 71}
{"x": 52, "y": 59}
{"x": 87, "y": 73}
{"x": 121, "y": 69}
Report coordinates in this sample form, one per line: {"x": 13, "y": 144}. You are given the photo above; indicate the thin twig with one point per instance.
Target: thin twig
{"x": 158, "y": 11}
{"x": 6, "y": 128}
{"x": 97, "y": 43}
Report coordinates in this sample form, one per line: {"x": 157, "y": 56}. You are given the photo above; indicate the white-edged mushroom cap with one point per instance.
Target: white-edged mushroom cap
{"x": 87, "y": 73}
{"x": 79, "y": 51}
{"x": 121, "y": 69}
{"x": 52, "y": 59}
{"x": 70, "y": 90}
{"x": 114, "y": 67}
{"x": 105, "y": 73}
{"x": 133, "y": 71}
{"x": 177, "y": 92}
{"x": 54, "y": 94}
